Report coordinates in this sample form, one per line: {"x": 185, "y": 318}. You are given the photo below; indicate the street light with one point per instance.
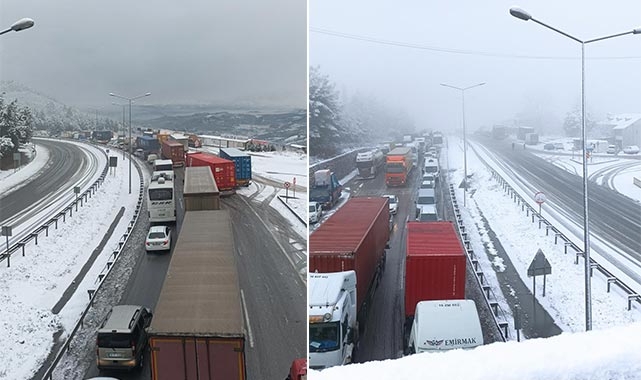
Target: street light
{"x": 130, "y": 144}
{"x": 19, "y": 25}
{"x": 523, "y": 15}
{"x": 464, "y": 137}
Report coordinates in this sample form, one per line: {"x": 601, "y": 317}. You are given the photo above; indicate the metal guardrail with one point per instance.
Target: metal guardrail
{"x": 104, "y": 273}
{"x": 488, "y": 295}
{"x": 636, "y": 181}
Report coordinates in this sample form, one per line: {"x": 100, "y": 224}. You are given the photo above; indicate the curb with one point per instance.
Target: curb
{"x": 301, "y": 219}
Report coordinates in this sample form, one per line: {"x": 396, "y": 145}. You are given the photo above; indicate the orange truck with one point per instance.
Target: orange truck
{"x": 398, "y": 165}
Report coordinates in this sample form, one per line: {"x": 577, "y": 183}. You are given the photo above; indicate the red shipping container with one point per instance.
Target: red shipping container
{"x": 174, "y": 151}
{"x": 224, "y": 171}
{"x": 435, "y": 264}
{"x": 353, "y": 238}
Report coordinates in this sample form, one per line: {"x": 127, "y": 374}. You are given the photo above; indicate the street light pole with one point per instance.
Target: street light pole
{"x": 525, "y": 16}
{"x": 464, "y": 136}
{"x": 124, "y": 126}
{"x": 22, "y": 24}
{"x": 130, "y": 144}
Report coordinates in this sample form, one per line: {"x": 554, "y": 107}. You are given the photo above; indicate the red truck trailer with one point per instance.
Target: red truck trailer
{"x": 398, "y": 165}
{"x": 174, "y": 151}
{"x": 353, "y": 238}
{"x": 197, "y": 332}
{"x": 435, "y": 264}
{"x": 224, "y": 171}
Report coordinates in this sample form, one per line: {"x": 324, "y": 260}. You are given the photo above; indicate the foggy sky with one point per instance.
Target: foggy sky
{"x": 410, "y": 78}
{"x": 235, "y": 51}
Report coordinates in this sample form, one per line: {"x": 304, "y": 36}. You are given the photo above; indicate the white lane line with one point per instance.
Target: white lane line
{"x": 249, "y": 327}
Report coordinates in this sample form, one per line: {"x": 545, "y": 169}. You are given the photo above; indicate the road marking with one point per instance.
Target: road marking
{"x": 249, "y": 327}
{"x": 275, "y": 239}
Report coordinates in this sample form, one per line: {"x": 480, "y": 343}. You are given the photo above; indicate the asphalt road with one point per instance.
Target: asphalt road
{"x": 67, "y": 164}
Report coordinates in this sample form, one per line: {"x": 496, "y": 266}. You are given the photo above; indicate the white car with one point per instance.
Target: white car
{"x": 315, "y": 212}
{"x": 631, "y": 149}
{"x": 158, "y": 239}
{"x": 612, "y": 149}
{"x": 393, "y": 203}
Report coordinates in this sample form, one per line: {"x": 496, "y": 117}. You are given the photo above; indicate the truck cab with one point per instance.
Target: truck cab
{"x": 326, "y": 190}
{"x": 445, "y": 325}
{"x": 332, "y": 318}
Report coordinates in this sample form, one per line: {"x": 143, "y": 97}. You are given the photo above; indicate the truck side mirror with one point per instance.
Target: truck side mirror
{"x": 350, "y": 336}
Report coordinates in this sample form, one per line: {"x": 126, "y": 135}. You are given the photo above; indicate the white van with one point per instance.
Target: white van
{"x": 315, "y": 212}
{"x": 445, "y": 325}
{"x": 426, "y": 213}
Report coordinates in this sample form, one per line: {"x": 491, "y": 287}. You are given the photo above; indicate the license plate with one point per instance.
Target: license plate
{"x": 114, "y": 355}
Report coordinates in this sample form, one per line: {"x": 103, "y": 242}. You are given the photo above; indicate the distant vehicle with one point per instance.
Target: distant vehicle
{"x": 612, "y": 149}
{"x": 158, "y": 239}
{"x": 139, "y": 153}
{"x": 631, "y": 149}
{"x": 315, "y": 212}
{"x": 163, "y": 165}
{"x": 393, "y": 203}
{"x": 369, "y": 163}
{"x": 242, "y": 164}
{"x": 102, "y": 137}
{"x": 427, "y": 184}
{"x": 426, "y": 213}
{"x": 151, "y": 158}
{"x": 122, "y": 337}
{"x": 431, "y": 166}
{"x": 175, "y": 151}
{"x": 549, "y": 146}
{"x": 426, "y": 197}
{"x": 326, "y": 189}
{"x": 161, "y": 200}
{"x": 398, "y": 166}
{"x": 224, "y": 170}
{"x": 559, "y": 146}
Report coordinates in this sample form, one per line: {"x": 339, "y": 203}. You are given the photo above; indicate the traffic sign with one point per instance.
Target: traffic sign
{"x": 539, "y": 197}
{"x": 287, "y": 185}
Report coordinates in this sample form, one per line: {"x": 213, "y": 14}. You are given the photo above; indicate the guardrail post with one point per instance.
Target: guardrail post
{"x": 35, "y": 235}
{"x": 56, "y": 220}
{"x": 486, "y": 288}
{"x": 630, "y": 298}
{"x": 566, "y": 244}
{"x": 610, "y": 281}
{"x": 71, "y": 212}
{"x": 527, "y": 213}
{"x": 109, "y": 263}
{"x": 22, "y": 245}
{"x": 495, "y": 307}
{"x": 114, "y": 254}
{"x": 85, "y": 195}
{"x": 470, "y": 253}
{"x": 504, "y": 326}
{"x": 80, "y": 203}
{"x": 46, "y": 230}
{"x": 592, "y": 266}
{"x": 76, "y": 203}
{"x": 480, "y": 276}
{"x": 532, "y": 216}
{"x": 100, "y": 277}
{"x": 576, "y": 258}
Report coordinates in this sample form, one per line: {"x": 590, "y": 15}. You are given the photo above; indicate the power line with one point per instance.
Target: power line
{"x": 454, "y": 51}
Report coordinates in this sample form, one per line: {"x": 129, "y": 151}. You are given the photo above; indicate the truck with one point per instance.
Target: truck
{"x": 369, "y": 163}
{"x": 437, "y": 138}
{"x": 431, "y": 167}
{"x": 332, "y": 318}
{"x": 224, "y": 171}
{"x": 148, "y": 144}
{"x": 326, "y": 189}
{"x": 398, "y": 165}
{"x": 298, "y": 370}
{"x": 183, "y": 139}
{"x": 435, "y": 265}
{"x": 354, "y": 238}
{"x": 200, "y": 190}
{"x": 198, "y": 331}
{"x": 174, "y": 151}
{"x": 445, "y": 325}
{"x": 242, "y": 162}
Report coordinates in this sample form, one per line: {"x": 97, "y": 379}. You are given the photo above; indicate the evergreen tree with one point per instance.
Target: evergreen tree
{"x": 324, "y": 115}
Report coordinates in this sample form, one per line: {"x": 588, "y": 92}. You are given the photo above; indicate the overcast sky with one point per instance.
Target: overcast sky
{"x": 410, "y": 78}
{"x": 180, "y": 51}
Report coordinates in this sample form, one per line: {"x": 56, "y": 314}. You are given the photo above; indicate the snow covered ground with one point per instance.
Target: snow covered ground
{"x": 608, "y": 353}
{"x": 33, "y": 284}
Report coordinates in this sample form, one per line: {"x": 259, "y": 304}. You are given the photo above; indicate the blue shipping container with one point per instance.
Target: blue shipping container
{"x": 149, "y": 144}
{"x": 243, "y": 162}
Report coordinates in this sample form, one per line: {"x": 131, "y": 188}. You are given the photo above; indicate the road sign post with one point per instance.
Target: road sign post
{"x": 287, "y": 185}
{"x": 539, "y": 198}
{"x": 6, "y": 231}
{"x": 294, "y": 187}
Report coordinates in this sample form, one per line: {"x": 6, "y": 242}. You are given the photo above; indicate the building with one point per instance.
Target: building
{"x": 626, "y": 128}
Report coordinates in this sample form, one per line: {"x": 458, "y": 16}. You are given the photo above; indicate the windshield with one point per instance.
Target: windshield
{"x": 156, "y": 235}
{"x": 312, "y": 208}
{"x": 392, "y": 200}
{"x": 160, "y": 194}
{"x": 425, "y": 200}
{"x": 395, "y": 168}
{"x": 428, "y": 218}
{"x": 323, "y": 337}
{"x": 163, "y": 167}
{"x": 431, "y": 169}
{"x": 364, "y": 164}
{"x": 319, "y": 192}
{"x": 111, "y": 340}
